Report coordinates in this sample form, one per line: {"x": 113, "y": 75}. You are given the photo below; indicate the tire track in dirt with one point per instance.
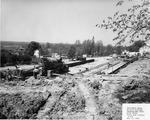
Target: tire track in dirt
{"x": 90, "y": 108}
{"x": 50, "y": 103}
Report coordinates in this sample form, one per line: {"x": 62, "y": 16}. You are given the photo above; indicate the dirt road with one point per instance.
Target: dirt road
{"x": 90, "y": 108}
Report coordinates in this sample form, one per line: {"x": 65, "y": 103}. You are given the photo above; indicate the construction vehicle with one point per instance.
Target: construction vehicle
{"x": 47, "y": 63}
{"x": 55, "y": 65}
{"x": 81, "y": 57}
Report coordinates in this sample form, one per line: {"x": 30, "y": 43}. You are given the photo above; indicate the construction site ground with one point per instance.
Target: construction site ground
{"x": 84, "y": 94}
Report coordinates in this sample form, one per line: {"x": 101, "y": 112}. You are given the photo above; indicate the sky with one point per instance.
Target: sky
{"x": 57, "y": 21}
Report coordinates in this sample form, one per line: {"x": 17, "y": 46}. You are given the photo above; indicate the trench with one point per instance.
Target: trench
{"x": 49, "y": 105}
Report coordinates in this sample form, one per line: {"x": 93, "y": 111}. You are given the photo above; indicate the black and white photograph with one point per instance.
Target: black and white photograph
{"x": 75, "y": 59}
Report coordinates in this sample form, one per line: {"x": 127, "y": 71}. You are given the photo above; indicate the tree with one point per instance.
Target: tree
{"x": 15, "y": 59}
{"x": 79, "y": 48}
{"x": 77, "y": 42}
{"x": 99, "y": 48}
{"x": 48, "y": 45}
{"x": 88, "y": 46}
{"x": 7, "y": 55}
{"x": 133, "y": 25}
{"x": 3, "y": 60}
{"x": 109, "y": 50}
{"x": 92, "y": 46}
{"x": 118, "y": 50}
{"x": 72, "y": 52}
{"x": 59, "y": 48}
{"x": 32, "y": 47}
{"x": 44, "y": 50}
{"x": 26, "y": 58}
{"x": 136, "y": 46}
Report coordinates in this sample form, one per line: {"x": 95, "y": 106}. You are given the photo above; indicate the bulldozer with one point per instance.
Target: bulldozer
{"x": 55, "y": 65}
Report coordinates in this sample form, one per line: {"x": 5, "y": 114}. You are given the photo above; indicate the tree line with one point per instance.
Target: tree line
{"x": 88, "y": 47}
{"x": 93, "y": 49}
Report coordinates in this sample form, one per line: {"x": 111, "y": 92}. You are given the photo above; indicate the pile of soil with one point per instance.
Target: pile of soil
{"x": 69, "y": 101}
{"x": 21, "y": 105}
{"x": 30, "y": 82}
{"x": 66, "y": 105}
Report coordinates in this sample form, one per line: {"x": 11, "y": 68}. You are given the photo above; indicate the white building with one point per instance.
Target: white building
{"x": 37, "y": 53}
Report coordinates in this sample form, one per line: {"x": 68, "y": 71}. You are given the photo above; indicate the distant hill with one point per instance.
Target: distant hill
{"x": 15, "y": 43}
{"x": 60, "y": 48}
{"x": 12, "y": 45}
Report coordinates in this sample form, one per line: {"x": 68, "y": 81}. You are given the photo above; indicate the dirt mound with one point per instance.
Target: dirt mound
{"x": 31, "y": 96}
{"x": 20, "y": 105}
{"x": 67, "y": 102}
